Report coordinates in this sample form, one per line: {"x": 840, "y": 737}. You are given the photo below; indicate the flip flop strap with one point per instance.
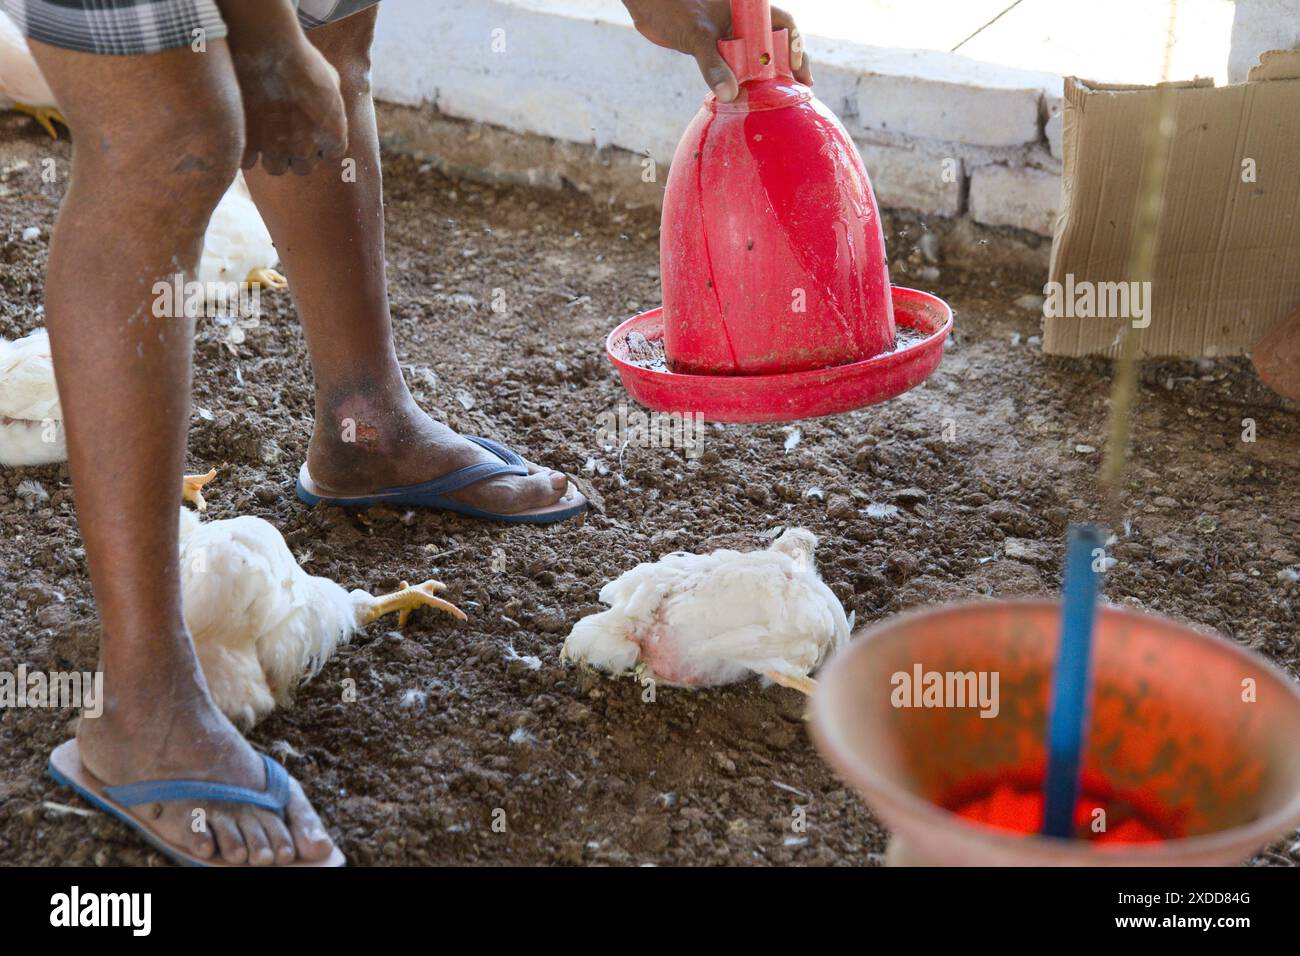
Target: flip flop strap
{"x": 510, "y": 464}
{"x": 274, "y": 798}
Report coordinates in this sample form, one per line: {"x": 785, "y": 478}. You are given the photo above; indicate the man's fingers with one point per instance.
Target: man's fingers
{"x": 716, "y": 72}
{"x": 332, "y": 143}
{"x": 798, "y": 59}
{"x": 300, "y": 148}
{"x": 302, "y": 167}
{"x": 305, "y": 150}
{"x": 277, "y": 163}
{"x": 305, "y": 156}
{"x": 332, "y": 133}
{"x": 802, "y": 68}
{"x": 333, "y": 147}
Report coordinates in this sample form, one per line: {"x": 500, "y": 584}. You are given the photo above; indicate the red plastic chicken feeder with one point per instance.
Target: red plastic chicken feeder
{"x": 777, "y": 302}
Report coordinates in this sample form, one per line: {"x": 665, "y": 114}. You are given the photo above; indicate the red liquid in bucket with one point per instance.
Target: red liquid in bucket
{"x": 1015, "y": 802}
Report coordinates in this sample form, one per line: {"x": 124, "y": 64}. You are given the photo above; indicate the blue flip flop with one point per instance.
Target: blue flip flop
{"x": 66, "y": 768}
{"x": 433, "y": 494}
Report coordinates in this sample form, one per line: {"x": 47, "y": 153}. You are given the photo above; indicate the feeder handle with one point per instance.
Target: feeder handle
{"x": 755, "y": 51}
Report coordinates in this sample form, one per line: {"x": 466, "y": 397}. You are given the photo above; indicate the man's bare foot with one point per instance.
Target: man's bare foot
{"x": 362, "y": 444}
{"x": 178, "y": 733}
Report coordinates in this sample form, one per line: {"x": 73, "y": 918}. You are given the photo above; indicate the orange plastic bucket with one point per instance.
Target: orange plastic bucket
{"x": 1193, "y": 754}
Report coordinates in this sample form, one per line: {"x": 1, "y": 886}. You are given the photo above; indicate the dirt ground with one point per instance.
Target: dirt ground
{"x": 584, "y": 770}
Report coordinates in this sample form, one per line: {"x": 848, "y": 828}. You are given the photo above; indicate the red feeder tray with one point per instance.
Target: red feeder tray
{"x": 777, "y": 301}
{"x": 785, "y": 396}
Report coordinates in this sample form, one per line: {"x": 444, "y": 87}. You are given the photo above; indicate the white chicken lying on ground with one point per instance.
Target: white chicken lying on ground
{"x": 703, "y": 620}
{"x": 237, "y": 246}
{"x": 261, "y": 624}
{"x": 22, "y": 86}
{"x": 31, "y": 422}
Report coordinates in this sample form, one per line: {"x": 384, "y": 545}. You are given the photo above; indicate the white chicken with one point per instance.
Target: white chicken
{"x": 31, "y": 422}
{"x": 237, "y": 246}
{"x": 22, "y": 87}
{"x": 261, "y": 624}
{"x": 703, "y": 620}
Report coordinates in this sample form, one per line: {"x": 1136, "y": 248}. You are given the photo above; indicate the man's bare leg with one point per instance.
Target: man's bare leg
{"x": 330, "y": 237}
{"x": 156, "y": 141}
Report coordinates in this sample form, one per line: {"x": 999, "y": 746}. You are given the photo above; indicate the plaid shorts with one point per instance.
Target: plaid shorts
{"x": 132, "y": 27}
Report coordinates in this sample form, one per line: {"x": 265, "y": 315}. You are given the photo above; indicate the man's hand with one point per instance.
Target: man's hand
{"x": 293, "y": 111}
{"x": 696, "y": 26}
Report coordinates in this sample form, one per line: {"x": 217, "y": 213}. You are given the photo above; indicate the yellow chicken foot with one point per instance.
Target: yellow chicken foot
{"x": 804, "y": 685}
{"x": 407, "y": 598}
{"x": 266, "y": 277}
{"x": 44, "y": 115}
{"x": 192, "y": 489}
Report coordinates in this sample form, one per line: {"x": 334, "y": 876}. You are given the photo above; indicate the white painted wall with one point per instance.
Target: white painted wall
{"x": 556, "y": 72}
{"x": 1259, "y": 26}
{"x": 576, "y": 70}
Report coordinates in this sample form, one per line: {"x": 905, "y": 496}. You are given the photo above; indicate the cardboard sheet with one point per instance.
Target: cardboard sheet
{"x": 1228, "y": 248}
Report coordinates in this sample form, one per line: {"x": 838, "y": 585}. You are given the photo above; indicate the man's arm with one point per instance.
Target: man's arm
{"x": 696, "y": 26}
{"x": 293, "y": 112}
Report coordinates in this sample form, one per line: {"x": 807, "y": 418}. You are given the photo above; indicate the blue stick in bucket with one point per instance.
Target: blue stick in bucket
{"x": 1071, "y": 687}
